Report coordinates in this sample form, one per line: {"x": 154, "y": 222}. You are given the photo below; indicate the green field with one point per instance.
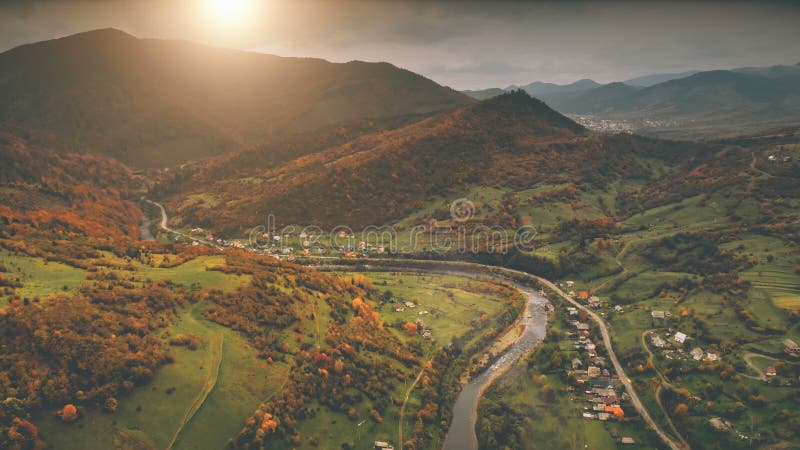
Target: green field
{"x": 40, "y": 278}
{"x": 150, "y": 417}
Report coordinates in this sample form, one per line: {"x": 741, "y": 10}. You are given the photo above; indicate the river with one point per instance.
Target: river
{"x": 461, "y": 435}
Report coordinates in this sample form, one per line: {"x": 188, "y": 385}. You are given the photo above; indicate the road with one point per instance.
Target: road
{"x": 635, "y": 400}
{"x": 626, "y": 382}
{"x": 163, "y": 225}
{"x": 405, "y": 400}
{"x": 664, "y": 382}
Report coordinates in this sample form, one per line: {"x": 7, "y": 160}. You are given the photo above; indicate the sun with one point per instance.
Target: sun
{"x": 230, "y": 12}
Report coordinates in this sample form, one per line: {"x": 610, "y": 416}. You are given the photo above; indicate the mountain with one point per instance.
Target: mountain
{"x": 539, "y": 89}
{"x": 707, "y": 104}
{"x": 656, "y": 78}
{"x": 512, "y": 140}
{"x": 594, "y": 101}
{"x": 152, "y": 103}
{"x": 484, "y": 94}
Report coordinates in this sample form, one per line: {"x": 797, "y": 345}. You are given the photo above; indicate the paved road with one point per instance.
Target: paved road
{"x": 635, "y": 400}
{"x": 163, "y": 225}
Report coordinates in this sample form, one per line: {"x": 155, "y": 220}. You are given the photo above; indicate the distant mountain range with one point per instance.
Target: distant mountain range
{"x": 151, "y": 103}
{"x": 710, "y": 103}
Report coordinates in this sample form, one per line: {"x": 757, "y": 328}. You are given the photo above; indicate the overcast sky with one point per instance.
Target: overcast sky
{"x": 464, "y": 45}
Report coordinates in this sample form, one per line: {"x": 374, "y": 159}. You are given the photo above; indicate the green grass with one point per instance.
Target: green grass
{"x": 195, "y": 271}
{"x": 452, "y": 307}
{"x": 243, "y": 382}
{"x": 40, "y": 278}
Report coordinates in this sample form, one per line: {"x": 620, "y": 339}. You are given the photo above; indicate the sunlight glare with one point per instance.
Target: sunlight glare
{"x": 230, "y": 12}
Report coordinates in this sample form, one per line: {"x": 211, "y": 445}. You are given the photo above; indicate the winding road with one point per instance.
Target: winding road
{"x": 626, "y": 382}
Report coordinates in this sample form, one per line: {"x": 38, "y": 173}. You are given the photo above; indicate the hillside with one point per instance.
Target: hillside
{"x": 151, "y": 103}
{"x": 512, "y": 140}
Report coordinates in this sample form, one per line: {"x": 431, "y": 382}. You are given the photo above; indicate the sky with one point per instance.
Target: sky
{"x": 465, "y": 45}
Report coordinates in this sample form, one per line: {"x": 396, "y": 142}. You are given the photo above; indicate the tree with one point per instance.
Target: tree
{"x": 69, "y": 413}
{"x": 111, "y": 404}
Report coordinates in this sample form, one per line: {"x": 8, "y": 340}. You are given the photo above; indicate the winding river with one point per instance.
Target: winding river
{"x": 461, "y": 435}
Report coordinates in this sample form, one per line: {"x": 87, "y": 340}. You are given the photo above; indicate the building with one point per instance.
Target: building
{"x": 697, "y": 353}
{"x": 618, "y": 309}
{"x": 627, "y": 441}
{"x": 582, "y": 326}
{"x": 583, "y": 295}
{"x": 791, "y": 347}
{"x": 380, "y": 445}
{"x": 712, "y": 356}
{"x": 576, "y": 363}
{"x": 679, "y": 337}
{"x": 771, "y": 371}
{"x": 615, "y": 410}
{"x": 657, "y": 341}
{"x": 593, "y": 372}
{"x": 719, "y": 424}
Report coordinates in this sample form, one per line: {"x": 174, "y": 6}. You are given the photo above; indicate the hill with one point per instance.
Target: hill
{"x": 656, "y": 78}
{"x": 151, "y": 103}
{"x": 484, "y": 94}
{"x": 512, "y": 140}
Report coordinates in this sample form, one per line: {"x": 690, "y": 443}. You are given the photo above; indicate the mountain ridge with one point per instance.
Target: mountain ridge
{"x": 151, "y": 102}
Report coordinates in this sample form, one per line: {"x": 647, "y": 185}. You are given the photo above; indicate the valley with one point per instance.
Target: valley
{"x": 204, "y": 245}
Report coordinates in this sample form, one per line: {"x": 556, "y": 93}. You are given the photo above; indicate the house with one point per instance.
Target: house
{"x": 572, "y": 311}
{"x": 399, "y": 308}
{"x": 771, "y": 371}
{"x": 627, "y": 441}
{"x": 679, "y": 337}
{"x": 570, "y": 283}
{"x": 583, "y": 295}
{"x": 618, "y": 309}
{"x": 423, "y": 313}
{"x": 380, "y": 445}
{"x": 615, "y": 410}
{"x": 658, "y": 314}
{"x": 697, "y": 353}
{"x": 603, "y": 416}
{"x": 719, "y": 424}
{"x": 588, "y": 415}
{"x": 582, "y": 326}
{"x": 426, "y": 334}
{"x": 791, "y": 347}
{"x": 593, "y": 372}
{"x": 712, "y": 356}
{"x": 590, "y": 346}
{"x": 576, "y": 363}
{"x": 594, "y": 301}
{"x": 657, "y": 341}
{"x": 410, "y": 305}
